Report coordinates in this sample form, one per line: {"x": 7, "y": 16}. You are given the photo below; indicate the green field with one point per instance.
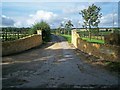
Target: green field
{"x": 94, "y": 40}
{"x": 67, "y": 37}
{"x": 95, "y": 33}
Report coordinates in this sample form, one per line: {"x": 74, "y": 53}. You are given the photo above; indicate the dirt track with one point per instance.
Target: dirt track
{"x": 53, "y": 65}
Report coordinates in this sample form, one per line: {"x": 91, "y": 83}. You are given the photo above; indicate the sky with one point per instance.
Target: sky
{"x": 26, "y": 14}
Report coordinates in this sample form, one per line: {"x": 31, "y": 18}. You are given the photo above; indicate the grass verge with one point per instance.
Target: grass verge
{"x": 67, "y": 37}
{"x": 113, "y": 66}
{"x": 108, "y": 65}
{"x": 94, "y": 40}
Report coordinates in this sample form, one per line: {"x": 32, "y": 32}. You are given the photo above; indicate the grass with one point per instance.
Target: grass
{"x": 113, "y": 66}
{"x": 108, "y": 65}
{"x": 67, "y": 37}
{"x": 93, "y": 40}
{"x": 94, "y": 32}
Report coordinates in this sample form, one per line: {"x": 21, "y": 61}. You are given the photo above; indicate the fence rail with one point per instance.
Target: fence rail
{"x": 99, "y": 35}
{"x": 7, "y": 34}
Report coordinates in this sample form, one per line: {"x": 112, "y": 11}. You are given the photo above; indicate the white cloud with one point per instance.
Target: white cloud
{"x": 54, "y": 20}
{"x": 7, "y": 21}
{"x": 3, "y": 16}
{"x": 60, "y": 1}
{"x": 108, "y": 19}
{"x": 41, "y": 15}
{"x": 51, "y": 18}
{"x": 64, "y": 20}
{"x": 72, "y": 10}
{"x": 18, "y": 24}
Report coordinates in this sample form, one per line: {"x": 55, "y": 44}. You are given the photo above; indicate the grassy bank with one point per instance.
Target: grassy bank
{"x": 113, "y": 66}
{"x": 67, "y": 37}
{"x": 94, "y": 40}
{"x": 108, "y": 65}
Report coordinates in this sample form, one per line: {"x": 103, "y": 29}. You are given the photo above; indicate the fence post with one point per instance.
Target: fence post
{"x": 6, "y": 35}
{"x": 2, "y": 35}
{"x": 18, "y": 34}
{"x": 101, "y": 36}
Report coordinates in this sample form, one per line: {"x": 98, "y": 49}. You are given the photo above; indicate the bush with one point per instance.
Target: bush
{"x": 113, "y": 39}
{"x": 106, "y": 30}
{"x": 45, "y": 30}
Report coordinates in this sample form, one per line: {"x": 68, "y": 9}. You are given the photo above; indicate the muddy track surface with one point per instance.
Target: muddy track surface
{"x": 54, "y": 65}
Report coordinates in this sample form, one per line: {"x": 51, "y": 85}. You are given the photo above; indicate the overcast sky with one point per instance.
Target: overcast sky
{"x": 25, "y": 14}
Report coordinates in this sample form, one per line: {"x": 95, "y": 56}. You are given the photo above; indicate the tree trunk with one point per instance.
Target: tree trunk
{"x": 98, "y": 33}
{"x": 64, "y": 31}
{"x": 90, "y": 32}
{"x": 68, "y": 32}
{"x": 90, "y": 35}
{"x": 86, "y": 32}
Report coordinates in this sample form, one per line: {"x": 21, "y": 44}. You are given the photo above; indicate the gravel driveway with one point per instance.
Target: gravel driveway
{"x": 54, "y": 65}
